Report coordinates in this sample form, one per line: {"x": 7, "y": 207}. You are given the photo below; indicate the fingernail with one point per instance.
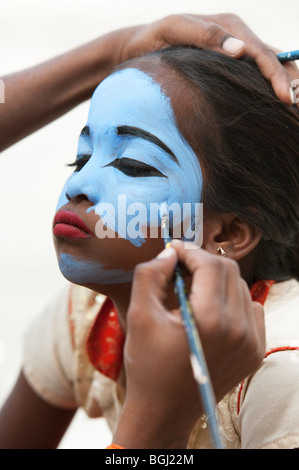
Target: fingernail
{"x": 232, "y": 45}
{"x": 292, "y": 95}
{"x": 176, "y": 241}
{"x": 166, "y": 253}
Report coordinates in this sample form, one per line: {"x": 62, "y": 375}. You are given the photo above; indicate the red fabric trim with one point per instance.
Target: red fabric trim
{"x": 105, "y": 342}
{"x": 283, "y": 348}
{"x": 260, "y": 290}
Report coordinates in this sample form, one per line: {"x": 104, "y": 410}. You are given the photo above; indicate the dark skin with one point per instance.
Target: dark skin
{"x": 62, "y": 77}
{"x": 62, "y": 83}
{"x": 29, "y": 433}
{"x": 231, "y": 328}
{"x": 239, "y": 240}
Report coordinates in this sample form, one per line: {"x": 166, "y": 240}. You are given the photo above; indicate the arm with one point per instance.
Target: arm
{"x": 39, "y": 425}
{"x": 162, "y": 402}
{"x": 37, "y": 96}
{"x": 42, "y": 402}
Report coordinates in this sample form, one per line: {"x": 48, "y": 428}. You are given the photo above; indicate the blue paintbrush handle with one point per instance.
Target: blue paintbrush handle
{"x": 198, "y": 363}
{"x": 287, "y": 56}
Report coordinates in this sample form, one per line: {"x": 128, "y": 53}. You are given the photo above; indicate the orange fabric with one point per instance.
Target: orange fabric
{"x": 106, "y": 338}
{"x": 114, "y": 446}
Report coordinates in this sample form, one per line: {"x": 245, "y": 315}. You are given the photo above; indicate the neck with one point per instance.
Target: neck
{"x": 120, "y": 296}
{"x": 121, "y": 301}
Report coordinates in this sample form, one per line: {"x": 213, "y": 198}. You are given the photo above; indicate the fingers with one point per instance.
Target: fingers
{"x": 208, "y": 274}
{"x": 291, "y": 72}
{"x": 280, "y": 75}
{"x": 220, "y": 298}
{"x": 191, "y": 30}
{"x": 228, "y": 34}
{"x": 152, "y": 278}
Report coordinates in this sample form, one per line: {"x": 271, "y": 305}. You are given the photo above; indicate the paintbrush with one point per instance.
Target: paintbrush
{"x": 287, "y": 56}
{"x": 197, "y": 358}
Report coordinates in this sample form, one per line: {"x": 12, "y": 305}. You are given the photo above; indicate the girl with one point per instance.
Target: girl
{"x": 182, "y": 126}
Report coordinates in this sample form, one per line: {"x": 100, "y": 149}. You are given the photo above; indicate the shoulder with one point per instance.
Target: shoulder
{"x": 282, "y": 315}
{"x": 268, "y": 402}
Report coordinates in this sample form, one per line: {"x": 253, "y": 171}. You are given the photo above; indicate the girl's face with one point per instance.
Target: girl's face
{"x": 131, "y": 158}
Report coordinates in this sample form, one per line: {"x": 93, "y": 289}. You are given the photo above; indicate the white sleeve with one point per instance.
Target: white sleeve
{"x": 269, "y": 416}
{"x": 47, "y": 362}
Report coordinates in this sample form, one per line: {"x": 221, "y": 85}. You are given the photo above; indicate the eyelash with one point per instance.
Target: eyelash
{"x": 81, "y": 160}
{"x": 134, "y": 168}
{"x": 127, "y": 166}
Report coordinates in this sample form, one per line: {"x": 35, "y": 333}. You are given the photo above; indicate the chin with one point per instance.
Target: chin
{"x": 83, "y": 272}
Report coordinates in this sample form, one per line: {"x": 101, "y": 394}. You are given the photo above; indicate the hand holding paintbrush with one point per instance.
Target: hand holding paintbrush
{"x": 162, "y": 401}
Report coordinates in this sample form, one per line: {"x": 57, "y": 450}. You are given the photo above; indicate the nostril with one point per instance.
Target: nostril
{"x": 77, "y": 198}
{"x": 81, "y": 197}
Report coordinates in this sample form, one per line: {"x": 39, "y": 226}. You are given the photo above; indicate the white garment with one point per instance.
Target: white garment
{"x": 57, "y": 367}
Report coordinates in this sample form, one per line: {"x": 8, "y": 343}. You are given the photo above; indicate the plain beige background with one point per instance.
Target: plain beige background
{"x": 33, "y": 171}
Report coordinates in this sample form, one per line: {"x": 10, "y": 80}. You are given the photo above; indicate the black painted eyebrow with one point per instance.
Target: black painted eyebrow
{"x": 136, "y": 132}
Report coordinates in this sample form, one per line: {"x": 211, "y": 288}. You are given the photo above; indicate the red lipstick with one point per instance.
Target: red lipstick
{"x": 67, "y": 224}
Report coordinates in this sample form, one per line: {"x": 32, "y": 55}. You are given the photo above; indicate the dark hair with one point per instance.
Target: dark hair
{"x": 248, "y": 143}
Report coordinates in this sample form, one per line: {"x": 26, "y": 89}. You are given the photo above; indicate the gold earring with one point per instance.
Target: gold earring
{"x": 221, "y": 251}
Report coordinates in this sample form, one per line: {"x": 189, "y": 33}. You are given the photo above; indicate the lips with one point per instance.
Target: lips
{"x": 69, "y": 225}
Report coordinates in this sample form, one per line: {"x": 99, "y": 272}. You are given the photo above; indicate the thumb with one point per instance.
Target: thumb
{"x": 195, "y": 31}
{"x": 151, "y": 279}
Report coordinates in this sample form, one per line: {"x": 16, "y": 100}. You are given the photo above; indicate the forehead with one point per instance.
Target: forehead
{"x": 128, "y": 97}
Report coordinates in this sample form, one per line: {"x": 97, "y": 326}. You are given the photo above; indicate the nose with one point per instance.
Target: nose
{"x": 83, "y": 186}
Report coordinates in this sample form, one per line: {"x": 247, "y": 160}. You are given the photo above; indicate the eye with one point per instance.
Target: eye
{"x": 81, "y": 160}
{"x": 135, "y": 168}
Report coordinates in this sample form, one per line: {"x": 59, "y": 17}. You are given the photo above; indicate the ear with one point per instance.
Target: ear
{"x": 227, "y": 231}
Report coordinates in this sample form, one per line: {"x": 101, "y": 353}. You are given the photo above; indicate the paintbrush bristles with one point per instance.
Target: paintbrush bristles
{"x": 164, "y": 214}
{"x": 163, "y": 209}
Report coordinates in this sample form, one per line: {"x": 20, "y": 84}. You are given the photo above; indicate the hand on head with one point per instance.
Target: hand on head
{"x": 224, "y": 33}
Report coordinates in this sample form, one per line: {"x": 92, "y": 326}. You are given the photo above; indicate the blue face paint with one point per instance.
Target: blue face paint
{"x": 81, "y": 271}
{"x": 132, "y": 98}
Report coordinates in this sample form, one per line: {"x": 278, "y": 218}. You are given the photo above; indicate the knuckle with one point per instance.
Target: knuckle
{"x": 212, "y": 33}
{"x": 148, "y": 274}
{"x": 265, "y": 53}
{"x": 239, "y": 334}
{"x": 233, "y": 17}
{"x": 144, "y": 272}
{"x": 217, "y": 264}
{"x": 232, "y": 266}
{"x": 214, "y": 328}
{"x": 170, "y": 21}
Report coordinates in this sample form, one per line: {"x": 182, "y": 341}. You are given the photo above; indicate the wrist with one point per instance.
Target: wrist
{"x": 100, "y": 57}
{"x": 140, "y": 428}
